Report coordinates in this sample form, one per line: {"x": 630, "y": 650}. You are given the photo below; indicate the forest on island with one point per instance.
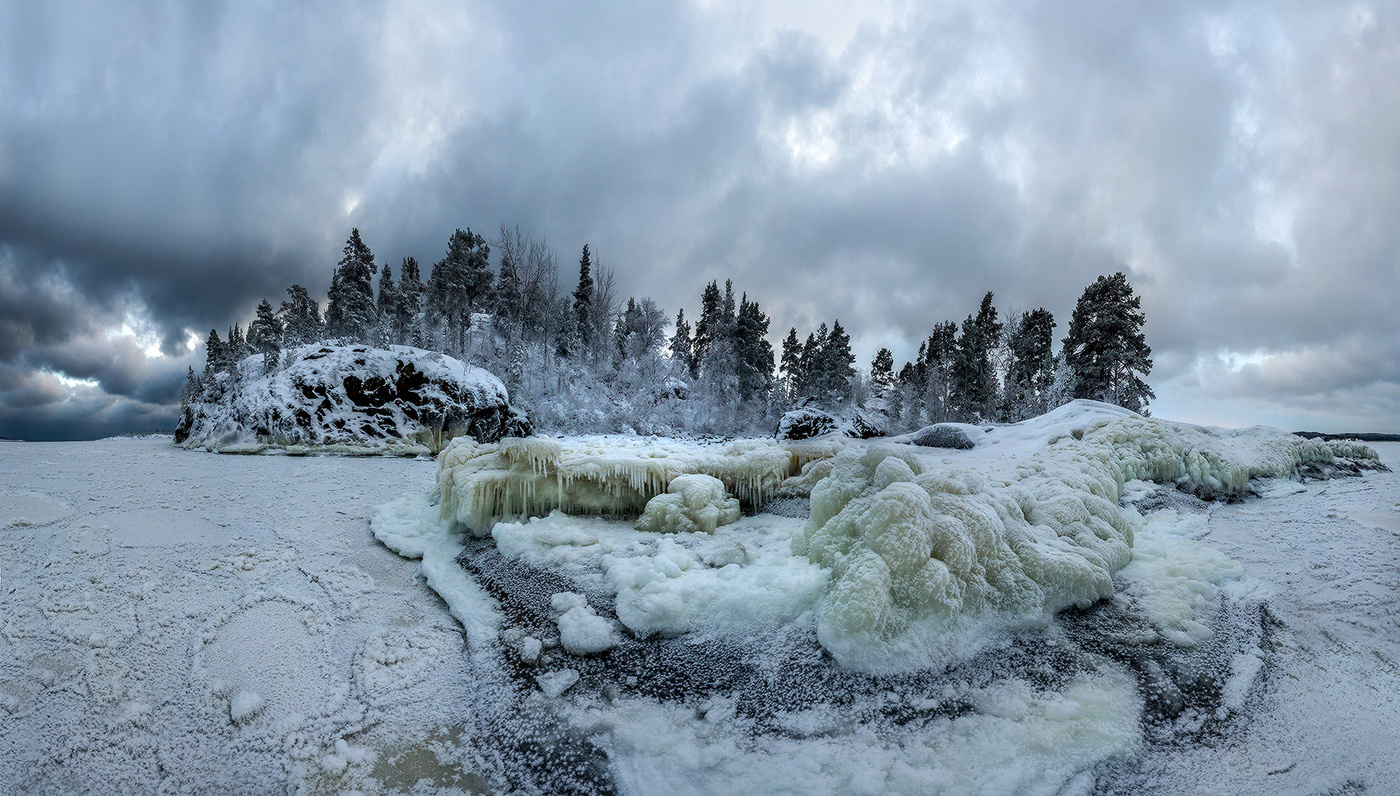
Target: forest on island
{"x": 583, "y": 360}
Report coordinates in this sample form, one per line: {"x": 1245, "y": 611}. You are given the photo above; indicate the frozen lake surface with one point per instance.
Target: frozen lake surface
{"x": 181, "y": 622}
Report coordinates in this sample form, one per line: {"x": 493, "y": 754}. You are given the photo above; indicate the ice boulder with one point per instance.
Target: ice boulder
{"x": 693, "y": 502}
{"x": 353, "y": 399}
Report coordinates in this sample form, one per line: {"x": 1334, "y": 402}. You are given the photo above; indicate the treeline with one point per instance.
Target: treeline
{"x": 586, "y": 361}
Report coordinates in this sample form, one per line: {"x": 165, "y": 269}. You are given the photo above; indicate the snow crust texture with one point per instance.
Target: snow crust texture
{"x": 517, "y": 478}
{"x": 178, "y": 623}
{"x": 351, "y": 399}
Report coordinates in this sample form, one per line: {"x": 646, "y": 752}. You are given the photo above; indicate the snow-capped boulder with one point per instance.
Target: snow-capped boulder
{"x": 943, "y": 435}
{"x": 353, "y": 399}
{"x": 808, "y": 421}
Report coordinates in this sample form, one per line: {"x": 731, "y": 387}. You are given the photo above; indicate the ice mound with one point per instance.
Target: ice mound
{"x": 350, "y": 399}
{"x": 912, "y": 540}
{"x": 517, "y": 478}
{"x": 693, "y": 502}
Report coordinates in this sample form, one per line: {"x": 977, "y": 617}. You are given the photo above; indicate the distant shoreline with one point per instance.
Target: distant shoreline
{"x": 1369, "y": 436}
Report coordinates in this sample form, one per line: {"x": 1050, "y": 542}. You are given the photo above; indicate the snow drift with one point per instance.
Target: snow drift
{"x": 350, "y": 399}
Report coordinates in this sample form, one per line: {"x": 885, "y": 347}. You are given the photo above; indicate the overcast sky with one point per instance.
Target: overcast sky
{"x": 163, "y": 165}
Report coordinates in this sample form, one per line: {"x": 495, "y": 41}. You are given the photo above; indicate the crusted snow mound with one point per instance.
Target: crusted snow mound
{"x": 518, "y": 478}
{"x": 693, "y": 502}
{"x": 917, "y": 541}
{"x": 352, "y": 399}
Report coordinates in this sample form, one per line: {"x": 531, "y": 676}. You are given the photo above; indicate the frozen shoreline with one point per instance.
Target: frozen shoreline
{"x": 227, "y": 624}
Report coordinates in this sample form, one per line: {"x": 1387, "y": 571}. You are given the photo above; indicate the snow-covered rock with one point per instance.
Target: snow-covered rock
{"x": 945, "y": 435}
{"x": 353, "y": 399}
{"x": 808, "y": 421}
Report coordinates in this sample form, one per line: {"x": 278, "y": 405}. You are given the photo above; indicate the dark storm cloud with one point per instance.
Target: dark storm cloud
{"x": 175, "y": 163}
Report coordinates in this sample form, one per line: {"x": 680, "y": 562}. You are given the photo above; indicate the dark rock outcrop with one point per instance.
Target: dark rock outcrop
{"x": 808, "y": 421}
{"x": 351, "y": 398}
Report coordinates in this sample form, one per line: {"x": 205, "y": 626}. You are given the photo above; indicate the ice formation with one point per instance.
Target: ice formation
{"x": 581, "y": 631}
{"x": 519, "y": 478}
{"x": 693, "y": 502}
{"x": 913, "y": 541}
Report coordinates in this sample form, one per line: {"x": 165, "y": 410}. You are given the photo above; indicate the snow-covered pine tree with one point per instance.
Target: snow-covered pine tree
{"x": 301, "y": 317}
{"x": 235, "y": 349}
{"x": 213, "y": 353}
{"x": 1031, "y": 371}
{"x": 190, "y": 393}
{"x": 707, "y": 328}
{"x": 459, "y": 284}
{"x": 387, "y": 304}
{"x": 680, "y": 341}
{"x": 790, "y": 365}
{"x": 838, "y": 365}
{"x": 882, "y": 371}
{"x": 350, "y": 310}
{"x": 755, "y": 353}
{"x": 811, "y": 364}
{"x": 623, "y": 329}
{"x": 265, "y": 335}
{"x": 1105, "y": 348}
{"x": 939, "y": 352}
{"x": 974, "y": 379}
{"x": 583, "y": 298}
{"x": 408, "y": 321}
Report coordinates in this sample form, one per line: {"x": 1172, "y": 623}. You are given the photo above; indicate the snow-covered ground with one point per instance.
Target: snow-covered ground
{"x": 182, "y": 622}
{"x": 174, "y": 621}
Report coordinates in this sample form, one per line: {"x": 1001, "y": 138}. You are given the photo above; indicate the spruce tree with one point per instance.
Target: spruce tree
{"x": 882, "y": 370}
{"x": 708, "y": 327}
{"x": 265, "y": 335}
{"x": 460, "y": 283}
{"x": 301, "y": 317}
{"x": 755, "y": 353}
{"x": 583, "y": 299}
{"x": 940, "y": 352}
{"x": 1031, "y": 371}
{"x": 213, "y": 353}
{"x": 791, "y": 363}
{"x": 974, "y": 381}
{"x": 350, "y": 309}
{"x": 838, "y": 364}
{"x": 1105, "y": 349}
{"x": 410, "y": 306}
{"x": 191, "y": 391}
{"x": 388, "y": 306}
{"x": 627, "y": 320}
{"x": 680, "y": 341}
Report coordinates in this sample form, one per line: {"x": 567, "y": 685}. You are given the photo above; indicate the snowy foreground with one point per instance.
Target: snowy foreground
{"x": 175, "y": 621}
